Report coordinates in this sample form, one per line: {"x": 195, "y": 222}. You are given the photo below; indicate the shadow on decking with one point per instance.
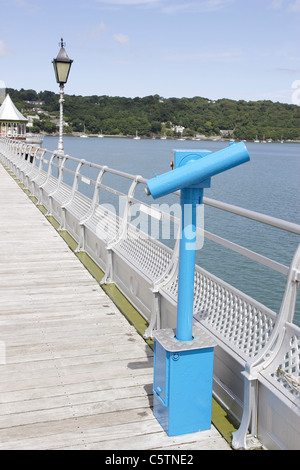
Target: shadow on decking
{"x": 145, "y": 364}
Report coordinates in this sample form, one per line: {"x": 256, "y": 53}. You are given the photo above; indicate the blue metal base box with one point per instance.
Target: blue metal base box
{"x": 183, "y": 379}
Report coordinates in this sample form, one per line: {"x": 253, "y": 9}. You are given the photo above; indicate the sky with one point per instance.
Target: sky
{"x": 237, "y": 49}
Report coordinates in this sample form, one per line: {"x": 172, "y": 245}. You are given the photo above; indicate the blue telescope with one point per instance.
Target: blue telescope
{"x": 192, "y": 173}
{"x": 183, "y": 365}
{"x": 195, "y": 168}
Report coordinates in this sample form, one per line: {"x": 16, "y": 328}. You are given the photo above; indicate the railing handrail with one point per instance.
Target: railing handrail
{"x": 247, "y": 213}
{"x": 257, "y": 216}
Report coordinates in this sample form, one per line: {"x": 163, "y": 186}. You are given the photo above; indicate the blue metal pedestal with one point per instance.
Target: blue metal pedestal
{"x": 183, "y": 376}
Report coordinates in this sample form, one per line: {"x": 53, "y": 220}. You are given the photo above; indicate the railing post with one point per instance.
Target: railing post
{"x": 155, "y": 320}
{"x": 32, "y": 180}
{"x": 59, "y": 180}
{"x": 74, "y": 189}
{"x": 265, "y": 358}
{"x": 108, "y": 276}
{"x": 49, "y": 173}
{"x": 90, "y": 213}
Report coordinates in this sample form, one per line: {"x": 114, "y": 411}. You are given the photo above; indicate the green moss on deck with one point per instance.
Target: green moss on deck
{"x": 224, "y": 423}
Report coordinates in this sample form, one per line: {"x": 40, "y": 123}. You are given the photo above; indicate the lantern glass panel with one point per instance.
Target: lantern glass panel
{"x": 62, "y": 71}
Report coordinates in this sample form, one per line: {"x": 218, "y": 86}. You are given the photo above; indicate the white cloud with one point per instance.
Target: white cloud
{"x": 295, "y": 6}
{"x": 98, "y": 31}
{"x": 94, "y": 34}
{"x": 291, "y": 5}
{"x": 4, "y": 50}
{"x": 276, "y": 4}
{"x": 226, "y": 56}
{"x": 284, "y": 95}
{"x": 27, "y": 6}
{"x": 179, "y": 7}
{"x": 17, "y": 3}
{"x": 173, "y": 6}
{"x": 199, "y": 6}
{"x": 129, "y": 2}
{"x": 122, "y": 39}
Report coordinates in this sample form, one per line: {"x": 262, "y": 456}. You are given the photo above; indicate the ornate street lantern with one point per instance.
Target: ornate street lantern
{"x": 62, "y": 65}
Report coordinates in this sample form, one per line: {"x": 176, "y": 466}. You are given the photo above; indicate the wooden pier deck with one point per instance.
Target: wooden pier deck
{"x": 74, "y": 374}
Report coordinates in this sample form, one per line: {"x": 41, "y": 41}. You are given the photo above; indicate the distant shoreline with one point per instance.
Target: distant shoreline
{"x": 203, "y": 139}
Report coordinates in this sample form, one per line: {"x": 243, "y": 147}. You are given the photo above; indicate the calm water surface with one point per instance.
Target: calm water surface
{"x": 269, "y": 184}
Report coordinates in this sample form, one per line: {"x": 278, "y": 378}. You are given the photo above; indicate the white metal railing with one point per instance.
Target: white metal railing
{"x": 145, "y": 270}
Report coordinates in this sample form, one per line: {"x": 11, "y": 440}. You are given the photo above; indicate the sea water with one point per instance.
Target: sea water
{"x": 269, "y": 184}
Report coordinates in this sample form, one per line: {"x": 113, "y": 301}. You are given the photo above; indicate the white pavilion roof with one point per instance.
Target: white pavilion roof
{"x": 8, "y": 111}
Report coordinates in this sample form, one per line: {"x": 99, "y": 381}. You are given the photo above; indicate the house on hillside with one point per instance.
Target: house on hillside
{"x": 226, "y": 132}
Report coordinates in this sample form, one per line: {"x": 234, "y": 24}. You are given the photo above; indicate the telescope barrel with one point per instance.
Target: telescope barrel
{"x": 198, "y": 170}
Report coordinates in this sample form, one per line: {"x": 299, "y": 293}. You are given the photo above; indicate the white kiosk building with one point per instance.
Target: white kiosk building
{"x": 12, "y": 122}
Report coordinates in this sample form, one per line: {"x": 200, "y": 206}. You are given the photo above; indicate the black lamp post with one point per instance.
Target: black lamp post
{"x": 62, "y": 65}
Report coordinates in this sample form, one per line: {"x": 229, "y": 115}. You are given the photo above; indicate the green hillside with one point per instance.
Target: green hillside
{"x": 154, "y": 115}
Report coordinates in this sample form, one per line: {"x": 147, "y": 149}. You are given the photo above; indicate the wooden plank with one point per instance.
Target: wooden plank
{"x": 151, "y": 440}
{"x": 41, "y": 436}
{"x": 75, "y": 388}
